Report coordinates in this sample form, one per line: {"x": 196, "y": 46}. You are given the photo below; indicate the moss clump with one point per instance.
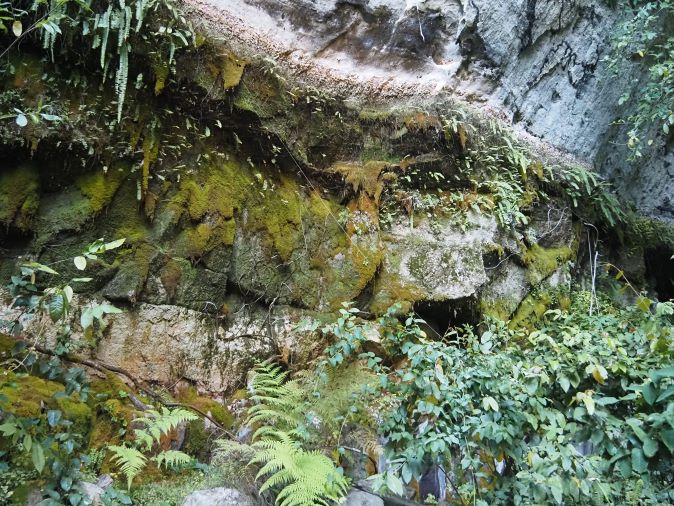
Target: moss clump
{"x": 26, "y": 395}
{"x": 219, "y": 413}
{"x": 363, "y": 176}
{"x": 99, "y": 187}
{"x": 262, "y": 92}
{"x": 542, "y": 262}
{"x": 279, "y": 216}
{"x": 531, "y": 310}
{"x": 500, "y": 308}
{"x": 72, "y": 208}
{"x": 133, "y": 271}
{"x": 374, "y": 115}
{"x": 19, "y": 197}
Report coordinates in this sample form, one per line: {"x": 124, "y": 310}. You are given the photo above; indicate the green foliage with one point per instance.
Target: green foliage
{"x": 131, "y": 459}
{"x": 589, "y": 194}
{"x": 645, "y": 36}
{"x": 51, "y": 440}
{"x": 305, "y": 478}
{"x": 580, "y": 411}
{"x": 300, "y": 477}
{"x": 113, "y": 29}
{"x": 276, "y": 401}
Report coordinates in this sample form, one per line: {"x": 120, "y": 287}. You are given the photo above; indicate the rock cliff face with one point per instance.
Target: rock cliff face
{"x": 538, "y": 62}
{"x": 259, "y": 189}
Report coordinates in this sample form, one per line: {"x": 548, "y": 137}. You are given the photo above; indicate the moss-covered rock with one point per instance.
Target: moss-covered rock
{"x": 28, "y": 396}
{"x": 19, "y": 197}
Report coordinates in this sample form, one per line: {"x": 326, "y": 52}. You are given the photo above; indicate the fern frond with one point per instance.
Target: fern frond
{"x": 172, "y": 458}
{"x": 305, "y": 478}
{"x": 129, "y": 460}
{"x": 158, "y": 424}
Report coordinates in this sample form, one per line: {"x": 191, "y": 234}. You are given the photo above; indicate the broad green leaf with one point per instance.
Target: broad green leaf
{"x": 37, "y": 456}
{"x": 114, "y": 244}
{"x": 636, "y": 427}
{"x": 17, "y": 28}
{"x": 66, "y": 483}
{"x": 644, "y": 303}
{"x": 56, "y": 307}
{"x": 53, "y": 417}
{"x": 27, "y": 442}
{"x": 667, "y": 437}
{"x": 667, "y": 372}
{"x": 665, "y": 395}
{"x": 109, "y": 309}
{"x": 68, "y": 292}
{"x": 624, "y": 467}
{"x": 650, "y": 393}
{"x": 599, "y": 374}
{"x": 80, "y": 262}
{"x": 650, "y": 447}
{"x": 639, "y": 462}
{"x": 555, "y": 484}
{"x": 564, "y": 383}
{"x": 589, "y": 404}
{"x": 490, "y": 403}
{"x": 8, "y": 429}
{"x": 394, "y": 484}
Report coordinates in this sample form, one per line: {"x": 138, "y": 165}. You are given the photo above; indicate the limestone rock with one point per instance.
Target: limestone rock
{"x": 218, "y": 497}
{"x": 360, "y": 498}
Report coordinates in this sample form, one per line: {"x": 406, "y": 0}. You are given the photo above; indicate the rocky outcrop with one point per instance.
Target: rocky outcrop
{"x": 538, "y": 63}
{"x": 256, "y": 199}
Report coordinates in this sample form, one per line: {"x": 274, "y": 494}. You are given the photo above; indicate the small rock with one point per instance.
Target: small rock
{"x": 218, "y": 497}
{"x": 360, "y": 498}
{"x": 104, "y": 481}
{"x": 93, "y": 491}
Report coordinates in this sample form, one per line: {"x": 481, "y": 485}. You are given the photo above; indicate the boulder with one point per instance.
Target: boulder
{"x": 360, "y": 498}
{"x": 219, "y": 497}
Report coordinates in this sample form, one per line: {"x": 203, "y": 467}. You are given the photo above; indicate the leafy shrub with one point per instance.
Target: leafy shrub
{"x": 645, "y": 35}
{"x": 580, "y": 411}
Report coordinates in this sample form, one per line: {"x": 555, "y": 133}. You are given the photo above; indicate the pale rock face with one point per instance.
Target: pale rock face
{"x": 538, "y": 63}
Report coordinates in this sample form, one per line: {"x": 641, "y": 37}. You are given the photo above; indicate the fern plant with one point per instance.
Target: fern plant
{"x": 305, "y": 478}
{"x": 300, "y": 477}
{"x": 277, "y": 401}
{"x": 131, "y": 459}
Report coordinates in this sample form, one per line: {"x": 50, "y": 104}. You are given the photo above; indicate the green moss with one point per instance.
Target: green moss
{"x": 219, "y": 413}
{"x": 531, "y": 310}
{"x": 374, "y": 115}
{"x": 262, "y": 92}
{"x": 99, "y": 187}
{"x": 133, "y": 271}
{"x": 542, "y": 262}
{"x": 26, "y": 395}
{"x": 72, "y": 208}
{"x": 500, "y": 308}
{"x": 19, "y": 196}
